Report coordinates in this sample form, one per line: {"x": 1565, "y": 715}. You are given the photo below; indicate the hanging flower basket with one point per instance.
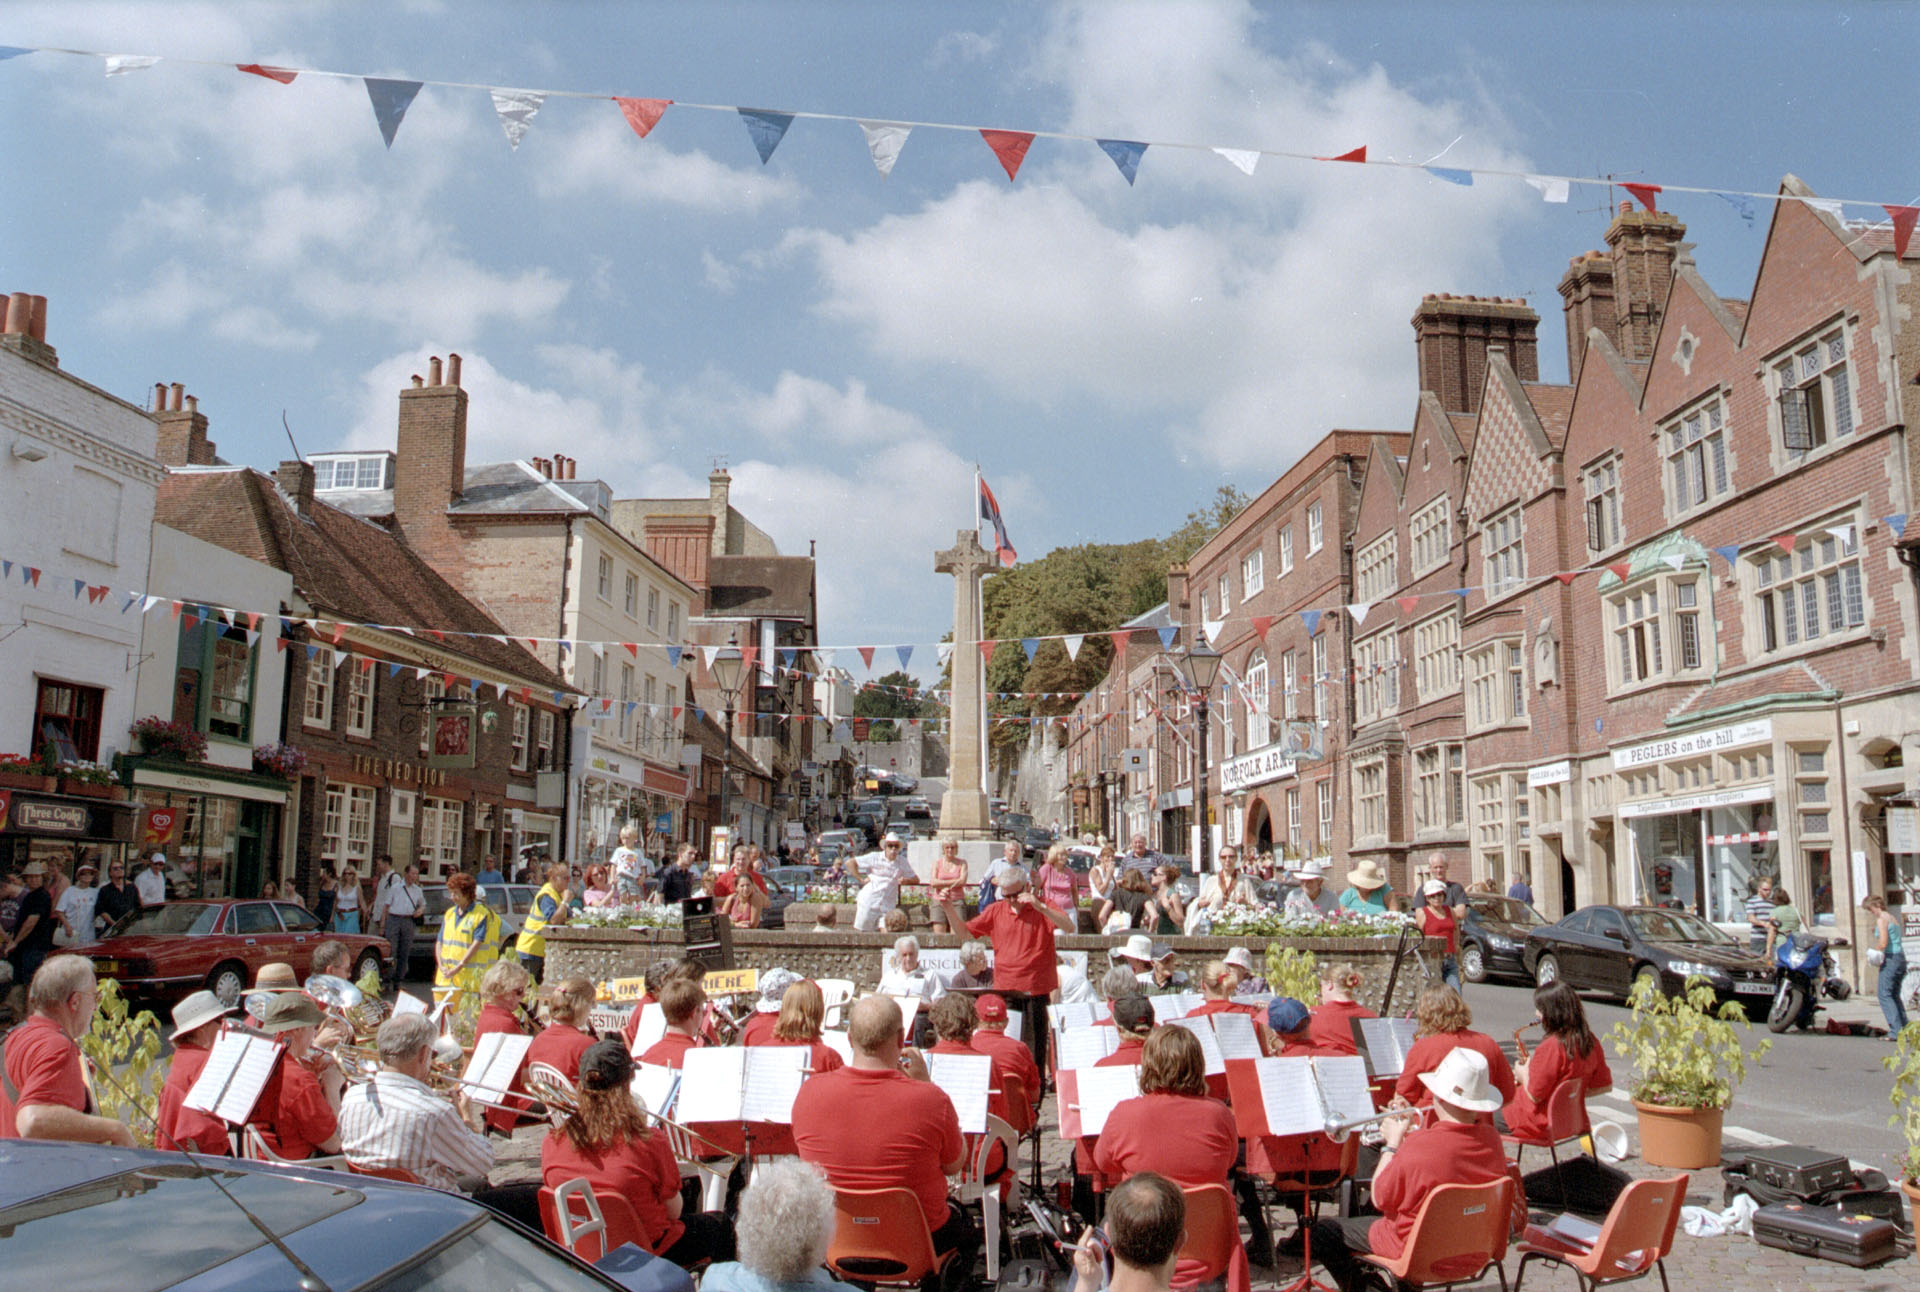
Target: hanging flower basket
{"x": 174, "y": 740}
{"x": 285, "y": 761}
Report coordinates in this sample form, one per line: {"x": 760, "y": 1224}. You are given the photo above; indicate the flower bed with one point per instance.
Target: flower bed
{"x": 1240, "y": 920}
{"x": 630, "y": 916}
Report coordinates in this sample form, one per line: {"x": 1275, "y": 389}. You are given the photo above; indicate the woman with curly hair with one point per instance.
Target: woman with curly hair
{"x": 1445, "y": 1023}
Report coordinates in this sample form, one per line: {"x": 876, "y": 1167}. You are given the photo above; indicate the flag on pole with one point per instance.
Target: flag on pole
{"x": 990, "y": 512}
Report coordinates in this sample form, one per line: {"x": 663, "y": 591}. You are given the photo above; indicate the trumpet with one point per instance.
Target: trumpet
{"x": 1520, "y": 1045}
{"x": 1339, "y": 1131}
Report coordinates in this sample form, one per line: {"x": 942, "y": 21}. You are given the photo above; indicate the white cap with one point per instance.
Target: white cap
{"x": 1242, "y": 957}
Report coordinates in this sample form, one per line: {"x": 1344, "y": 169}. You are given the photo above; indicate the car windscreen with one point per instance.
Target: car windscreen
{"x": 161, "y": 1225}
{"x": 1674, "y": 926}
{"x": 438, "y": 900}
{"x": 1506, "y": 909}
{"x": 171, "y": 920}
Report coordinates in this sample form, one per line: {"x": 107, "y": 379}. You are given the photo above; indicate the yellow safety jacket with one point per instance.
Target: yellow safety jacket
{"x": 459, "y": 934}
{"x": 546, "y": 904}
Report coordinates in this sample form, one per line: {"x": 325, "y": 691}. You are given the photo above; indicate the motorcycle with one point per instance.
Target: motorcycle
{"x": 1803, "y": 971}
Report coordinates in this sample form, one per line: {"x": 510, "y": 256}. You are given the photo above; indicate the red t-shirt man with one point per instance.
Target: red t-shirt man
{"x": 868, "y": 1128}
{"x": 185, "y": 1127}
{"x": 999, "y": 1047}
{"x": 1551, "y": 1063}
{"x": 43, "y": 1065}
{"x": 643, "y": 1172}
{"x": 1427, "y": 1052}
{"x": 1023, "y": 956}
{"x": 670, "y": 1049}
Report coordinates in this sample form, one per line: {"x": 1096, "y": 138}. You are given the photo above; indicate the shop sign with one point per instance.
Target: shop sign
{"x": 33, "y": 817}
{"x": 160, "y": 825}
{"x": 1257, "y": 768}
{"x": 1550, "y": 774}
{"x": 1903, "y": 829}
{"x": 1693, "y": 744}
{"x": 395, "y": 770}
{"x": 1697, "y": 802}
{"x": 451, "y": 726}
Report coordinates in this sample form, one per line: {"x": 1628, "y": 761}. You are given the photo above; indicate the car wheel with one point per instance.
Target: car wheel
{"x": 369, "y": 961}
{"x": 1546, "y": 970}
{"x": 1473, "y": 962}
{"x": 1648, "y": 974}
{"x": 227, "y": 981}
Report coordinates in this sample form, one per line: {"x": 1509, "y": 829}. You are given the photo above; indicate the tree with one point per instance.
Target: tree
{"x": 892, "y": 696}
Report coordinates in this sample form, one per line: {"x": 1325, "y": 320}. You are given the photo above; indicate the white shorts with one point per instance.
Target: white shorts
{"x": 870, "y": 912}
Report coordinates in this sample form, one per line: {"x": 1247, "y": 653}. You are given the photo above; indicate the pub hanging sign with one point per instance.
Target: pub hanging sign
{"x": 451, "y": 747}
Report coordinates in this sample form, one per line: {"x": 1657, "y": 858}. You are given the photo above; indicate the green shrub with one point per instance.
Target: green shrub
{"x": 124, "y": 1048}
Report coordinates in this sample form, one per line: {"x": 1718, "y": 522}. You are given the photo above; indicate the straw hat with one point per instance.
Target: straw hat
{"x": 277, "y": 976}
{"x": 195, "y": 1011}
{"x": 1138, "y": 947}
{"x": 1367, "y": 876}
{"x": 1463, "y": 1081}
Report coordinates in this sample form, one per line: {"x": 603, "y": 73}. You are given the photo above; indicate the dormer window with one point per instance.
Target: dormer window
{"x": 336, "y": 472}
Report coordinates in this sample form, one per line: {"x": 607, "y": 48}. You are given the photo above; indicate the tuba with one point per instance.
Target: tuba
{"x": 558, "y": 1096}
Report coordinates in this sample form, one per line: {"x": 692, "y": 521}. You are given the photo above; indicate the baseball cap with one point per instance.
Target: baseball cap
{"x": 606, "y": 1065}
{"x": 991, "y": 1007}
{"x": 1286, "y": 1015}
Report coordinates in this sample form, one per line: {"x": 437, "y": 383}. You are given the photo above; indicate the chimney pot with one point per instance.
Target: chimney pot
{"x": 159, "y": 396}
{"x": 433, "y": 371}
{"x": 417, "y": 383}
{"x": 193, "y": 404}
{"x": 19, "y": 313}
{"x": 179, "y": 391}
{"x": 1626, "y": 208}
{"x": 453, "y": 369}
{"x": 37, "y": 329}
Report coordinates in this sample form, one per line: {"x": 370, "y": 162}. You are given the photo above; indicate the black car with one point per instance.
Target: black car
{"x": 1493, "y": 941}
{"x": 1606, "y": 949}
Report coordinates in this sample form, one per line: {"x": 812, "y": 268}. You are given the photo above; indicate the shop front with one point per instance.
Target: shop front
{"x": 62, "y": 830}
{"x": 1704, "y": 852}
{"x": 615, "y": 791}
{"x": 220, "y": 830}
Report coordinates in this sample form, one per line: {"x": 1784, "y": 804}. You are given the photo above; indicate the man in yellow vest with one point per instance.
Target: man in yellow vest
{"x": 549, "y": 907}
{"x": 469, "y": 941}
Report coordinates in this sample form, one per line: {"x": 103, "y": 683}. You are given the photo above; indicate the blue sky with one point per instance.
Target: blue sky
{"x": 851, "y": 346}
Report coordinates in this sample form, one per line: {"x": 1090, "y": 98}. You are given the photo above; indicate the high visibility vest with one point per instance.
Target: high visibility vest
{"x": 458, "y": 934}
{"x": 532, "y": 940}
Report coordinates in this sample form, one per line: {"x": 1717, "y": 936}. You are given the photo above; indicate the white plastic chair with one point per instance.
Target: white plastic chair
{"x": 838, "y": 994}
{"x": 712, "y": 1171}
{"x": 254, "y": 1145}
{"x": 973, "y": 1186}
{"x": 573, "y": 1228}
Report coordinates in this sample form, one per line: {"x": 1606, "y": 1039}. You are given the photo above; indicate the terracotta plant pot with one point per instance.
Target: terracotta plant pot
{"x": 88, "y": 790}
{"x": 1687, "y": 1139}
{"x": 1912, "y": 1189}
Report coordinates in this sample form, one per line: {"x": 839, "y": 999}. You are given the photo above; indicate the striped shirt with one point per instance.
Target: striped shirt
{"x": 395, "y": 1121}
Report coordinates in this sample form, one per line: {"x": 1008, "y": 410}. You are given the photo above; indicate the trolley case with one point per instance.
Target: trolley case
{"x": 1803, "y": 1172}
{"x": 1823, "y": 1233}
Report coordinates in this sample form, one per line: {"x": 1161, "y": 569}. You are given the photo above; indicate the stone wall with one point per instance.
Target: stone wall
{"x": 600, "y": 954}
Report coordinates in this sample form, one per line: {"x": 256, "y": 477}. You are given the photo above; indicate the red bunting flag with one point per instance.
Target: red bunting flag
{"x": 748, "y": 654}
{"x": 642, "y": 114}
{"x": 1567, "y": 577}
{"x": 178, "y": 606}
{"x": 280, "y": 74}
{"x": 1620, "y": 570}
{"x": 633, "y": 648}
{"x": 1406, "y": 604}
{"x": 866, "y": 655}
{"x": 986, "y": 651}
{"x": 281, "y": 643}
{"x": 1357, "y": 155}
{"x": 1903, "y": 219}
{"x": 1260, "y": 625}
{"x": 1786, "y": 542}
{"x": 339, "y": 633}
{"x": 1010, "y": 146}
{"x": 1643, "y": 193}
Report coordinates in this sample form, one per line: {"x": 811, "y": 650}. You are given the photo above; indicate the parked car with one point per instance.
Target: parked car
{"x": 1606, "y": 949}
{"x": 97, "y": 1217}
{"x": 905, "y": 784}
{"x": 835, "y": 843}
{"x": 905, "y": 829}
{"x": 509, "y": 901}
{"x": 1035, "y": 840}
{"x": 1494, "y": 941}
{"x": 918, "y": 807}
{"x": 164, "y": 952}
{"x": 783, "y": 890}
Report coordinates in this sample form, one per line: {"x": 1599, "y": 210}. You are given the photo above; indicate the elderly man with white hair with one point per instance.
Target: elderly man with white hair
{"x": 784, "y": 1228}
{"x": 45, "y": 1095}
{"x": 976, "y": 971}
{"x": 906, "y": 977}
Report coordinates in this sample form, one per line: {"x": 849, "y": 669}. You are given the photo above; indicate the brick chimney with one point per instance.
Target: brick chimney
{"x": 1177, "y": 593}
{"x": 295, "y": 479}
{"x": 1623, "y": 291}
{"x": 23, "y": 329}
{"x": 1586, "y": 293}
{"x": 719, "y": 487}
{"x": 1451, "y": 336}
{"x": 183, "y": 428}
{"x": 430, "y": 452}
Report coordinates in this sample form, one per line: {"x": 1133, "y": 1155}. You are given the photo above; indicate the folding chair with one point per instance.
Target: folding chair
{"x": 1566, "y": 1120}
{"x": 1634, "y": 1239}
{"x": 1213, "y": 1231}
{"x": 1459, "y": 1231}
{"x": 254, "y": 1145}
{"x": 880, "y": 1236}
{"x": 552, "y": 1088}
{"x": 974, "y": 1186}
{"x": 838, "y": 993}
{"x": 714, "y": 1169}
{"x": 585, "y": 1236}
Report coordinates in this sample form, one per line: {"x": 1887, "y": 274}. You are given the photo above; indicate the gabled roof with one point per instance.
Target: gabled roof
{"x": 345, "y": 567}
{"x": 1551, "y": 404}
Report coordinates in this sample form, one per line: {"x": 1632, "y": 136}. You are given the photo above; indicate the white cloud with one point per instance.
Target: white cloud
{"x": 959, "y": 47}
{"x": 805, "y": 411}
{"x": 604, "y": 158}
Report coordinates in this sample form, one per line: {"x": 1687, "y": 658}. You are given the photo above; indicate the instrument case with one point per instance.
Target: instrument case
{"x": 1803, "y": 1172}
{"x": 1825, "y": 1234}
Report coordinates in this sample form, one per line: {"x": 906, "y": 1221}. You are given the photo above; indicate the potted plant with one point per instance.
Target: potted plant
{"x": 1904, "y": 1064}
{"x": 24, "y": 772}
{"x": 88, "y": 780}
{"x": 1688, "y": 1058}
{"x": 175, "y": 740}
{"x": 284, "y": 761}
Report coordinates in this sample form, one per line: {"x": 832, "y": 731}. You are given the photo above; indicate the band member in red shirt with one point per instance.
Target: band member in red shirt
{"x": 1217, "y": 982}
{"x": 766, "y": 1010}
{"x": 1025, "y": 970}
{"x": 991, "y": 1038}
{"x": 803, "y": 1012}
{"x": 1292, "y": 1026}
{"x": 196, "y": 1026}
{"x": 45, "y": 1094}
{"x": 1446, "y": 1023}
{"x": 1460, "y": 1147}
{"x": 1569, "y": 1050}
{"x": 681, "y": 1002}
{"x": 1332, "y": 1028}
{"x": 298, "y": 1112}
{"x": 953, "y": 1026}
{"x": 503, "y": 993}
{"x": 871, "y": 1126}
{"x": 569, "y": 1029}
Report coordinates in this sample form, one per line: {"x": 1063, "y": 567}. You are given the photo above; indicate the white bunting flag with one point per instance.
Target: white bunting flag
{"x": 148, "y": 602}
{"x": 516, "y": 109}
{"x": 1551, "y": 190}
{"x": 1831, "y": 206}
{"x": 1072, "y": 642}
{"x": 1243, "y": 159}
{"x": 1678, "y": 561}
{"x": 885, "y": 139}
{"x": 1844, "y": 533}
{"x": 120, "y": 64}
{"x": 944, "y": 651}
{"x": 709, "y": 653}
{"x": 599, "y": 649}
{"x": 1358, "y": 610}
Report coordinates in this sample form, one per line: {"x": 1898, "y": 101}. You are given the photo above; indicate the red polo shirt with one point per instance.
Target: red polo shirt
{"x": 1551, "y": 1064}
{"x": 43, "y": 1064}
{"x": 293, "y": 1114}
{"x": 1190, "y": 1139}
{"x": 1331, "y": 1025}
{"x": 998, "y": 1044}
{"x": 872, "y": 1129}
{"x": 759, "y": 1029}
{"x": 183, "y": 1126}
{"x": 670, "y": 1049}
{"x": 1443, "y": 1153}
{"x": 1427, "y": 1052}
{"x": 495, "y": 1017}
{"x": 1225, "y": 1007}
{"x": 641, "y": 1171}
{"x": 560, "y": 1046}
{"x": 1023, "y": 958}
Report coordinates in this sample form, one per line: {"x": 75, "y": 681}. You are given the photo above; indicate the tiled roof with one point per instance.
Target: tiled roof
{"x": 1552, "y": 405}
{"x": 1787, "y": 682}
{"x": 346, "y": 567}
{"x": 492, "y": 488}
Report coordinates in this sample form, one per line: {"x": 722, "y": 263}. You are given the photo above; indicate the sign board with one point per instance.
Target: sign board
{"x": 452, "y": 731}
{"x": 1134, "y": 760}
{"x": 1550, "y": 774}
{"x": 1693, "y": 744}
{"x": 1257, "y": 768}
{"x": 731, "y": 982}
{"x": 1903, "y": 829}
{"x": 860, "y": 728}
{"x": 1302, "y": 740}
{"x": 709, "y": 934}
{"x": 622, "y": 990}
{"x": 1696, "y": 802}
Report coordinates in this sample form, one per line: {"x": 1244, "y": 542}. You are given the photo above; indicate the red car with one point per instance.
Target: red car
{"x": 167, "y": 951}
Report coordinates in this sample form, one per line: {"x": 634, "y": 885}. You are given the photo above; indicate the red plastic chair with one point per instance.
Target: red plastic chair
{"x": 1566, "y": 1120}
{"x": 880, "y": 1236}
{"x": 608, "y": 1220}
{"x": 1459, "y": 1231}
{"x": 1634, "y": 1240}
{"x": 1213, "y": 1231}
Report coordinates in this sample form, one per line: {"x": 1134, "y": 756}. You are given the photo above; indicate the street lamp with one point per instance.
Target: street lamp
{"x": 1201, "y": 664}
{"x": 727, "y": 669}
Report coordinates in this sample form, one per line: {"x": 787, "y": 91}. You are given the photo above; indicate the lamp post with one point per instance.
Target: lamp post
{"x": 727, "y": 669}
{"x": 1201, "y": 664}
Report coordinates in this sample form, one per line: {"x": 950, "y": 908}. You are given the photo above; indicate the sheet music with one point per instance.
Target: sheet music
{"x": 1343, "y": 1083}
{"x": 1291, "y": 1097}
{"x": 656, "y": 1085}
{"x": 966, "y": 1079}
{"x": 407, "y": 1003}
{"x": 1016, "y": 1024}
{"x": 1384, "y": 1043}
{"x": 1202, "y": 1029}
{"x": 653, "y": 1026}
{"x": 839, "y": 1043}
{"x": 1237, "y": 1038}
{"x": 1071, "y": 1014}
{"x": 236, "y": 1072}
{"x": 496, "y": 1061}
{"x": 909, "y": 1006}
{"x": 774, "y": 1074}
{"x": 1175, "y": 1005}
{"x": 713, "y": 1084}
{"x": 1082, "y": 1047}
{"x": 1100, "y": 1090}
